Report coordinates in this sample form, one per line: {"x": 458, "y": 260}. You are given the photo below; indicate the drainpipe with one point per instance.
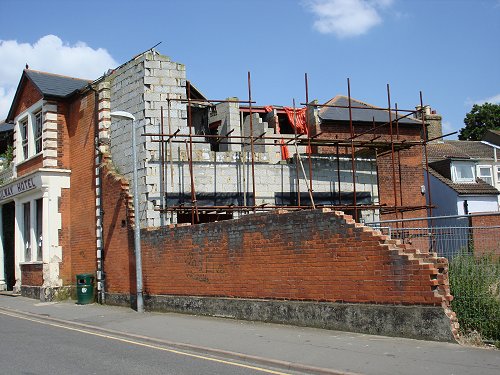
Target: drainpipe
{"x": 99, "y": 210}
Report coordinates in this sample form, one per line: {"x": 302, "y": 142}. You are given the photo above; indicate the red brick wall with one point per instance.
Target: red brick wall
{"x": 32, "y": 274}
{"x": 30, "y": 95}
{"x": 78, "y": 204}
{"x": 486, "y": 240}
{"x": 308, "y": 255}
{"x": 30, "y": 165}
{"x": 65, "y": 238}
{"x": 78, "y": 152}
{"x": 408, "y": 161}
{"x": 119, "y": 264}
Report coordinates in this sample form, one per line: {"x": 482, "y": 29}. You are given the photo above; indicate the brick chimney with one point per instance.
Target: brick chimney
{"x": 433, "y": 121}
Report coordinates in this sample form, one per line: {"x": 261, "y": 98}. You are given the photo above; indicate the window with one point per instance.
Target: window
{"x": 38, "y": 132}
{"x": 24, "y": 138}
{"x": 484, "y": 173}
{"x": 32, "y": 227}
{"x": 30, "y": 130}
{"x": 498, "y": 174}
{"x": 463, "y": 172}
{"x": 38, "y": 232}
{"x": 27, "y": 231}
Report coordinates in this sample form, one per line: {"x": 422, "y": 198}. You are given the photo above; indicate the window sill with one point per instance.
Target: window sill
{"x": 34, "y": 263}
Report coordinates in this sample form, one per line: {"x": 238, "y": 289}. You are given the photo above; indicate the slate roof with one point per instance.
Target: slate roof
{"x": 55, "y": 85}
{"x": 473, "y": 150}
{"x": 6, "y": 127}
{"x": 359, "y": 115}
{"x": 478, "y": 188}
{"x": 49, "y": 85}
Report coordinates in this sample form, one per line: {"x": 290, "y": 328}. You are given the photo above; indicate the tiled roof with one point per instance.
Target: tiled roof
{"x": 54, "y": 84}
{"x": 359, "y": 115}
{"x": 478, "y": 188}
{"x": 459, "y": 150}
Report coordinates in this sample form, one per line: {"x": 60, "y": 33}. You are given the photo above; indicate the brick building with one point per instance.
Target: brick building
{"x": 63, "y": 131}
{"x": 49, "y": 186}
{"x": 66, "y": 205}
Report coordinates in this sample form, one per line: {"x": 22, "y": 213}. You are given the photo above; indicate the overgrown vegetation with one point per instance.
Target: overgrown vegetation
{"x": 8, "y": 155}
{"x": 475, "y": 285}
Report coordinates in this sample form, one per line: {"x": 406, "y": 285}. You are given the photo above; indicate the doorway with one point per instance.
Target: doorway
{"x": 8, "y": 217}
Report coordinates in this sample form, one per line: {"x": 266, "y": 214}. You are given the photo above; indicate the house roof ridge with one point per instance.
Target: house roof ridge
{"x": 55, "y": 75}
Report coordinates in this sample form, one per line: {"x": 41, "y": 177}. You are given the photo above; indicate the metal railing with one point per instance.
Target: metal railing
{"x": 471, "y": 243}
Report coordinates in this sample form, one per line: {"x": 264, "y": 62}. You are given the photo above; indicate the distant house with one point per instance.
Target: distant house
{"x": 464, "y": 177}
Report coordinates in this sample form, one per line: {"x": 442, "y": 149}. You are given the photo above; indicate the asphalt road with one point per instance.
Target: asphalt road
{"x": 31, "y": 347}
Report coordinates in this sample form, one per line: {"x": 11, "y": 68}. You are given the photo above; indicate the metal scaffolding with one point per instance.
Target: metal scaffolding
{"x": 353, "y": 142}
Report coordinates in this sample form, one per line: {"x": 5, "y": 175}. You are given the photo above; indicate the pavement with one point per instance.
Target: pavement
{"x": 297, "y": 349}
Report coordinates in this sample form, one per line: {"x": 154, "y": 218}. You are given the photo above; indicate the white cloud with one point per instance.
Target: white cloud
{"x": 492, "y": 99}
{"x": 346, "y": 18}
{"x": 495, "y": 99}
{"x": 48, "y": 54}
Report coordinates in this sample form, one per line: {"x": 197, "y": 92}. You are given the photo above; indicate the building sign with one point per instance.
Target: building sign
{"x": 17, "y": 188}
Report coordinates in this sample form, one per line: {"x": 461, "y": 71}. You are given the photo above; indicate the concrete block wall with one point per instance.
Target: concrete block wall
{"x": 225, "y": 172}
{"x": 142, "y": 87}
{"x": 229, "y": 116}
{"x": 148, "y": 84}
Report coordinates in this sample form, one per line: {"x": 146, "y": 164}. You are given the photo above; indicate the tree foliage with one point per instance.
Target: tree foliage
{"x": 478, "y": 120}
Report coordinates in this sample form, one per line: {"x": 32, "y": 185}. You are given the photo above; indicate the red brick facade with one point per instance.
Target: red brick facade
{"x": 313, "y": 255}
{"x": 32, "y": 274}
{"x": 484, "y": 236}
{"x": 28, "y": 95}
{"x": 77, "y": 205}
{"x": 119, "y": 264}
{"x": 407, "y": 164}
{"x": 30, "y": 165}
{"x": 76, "y": 152}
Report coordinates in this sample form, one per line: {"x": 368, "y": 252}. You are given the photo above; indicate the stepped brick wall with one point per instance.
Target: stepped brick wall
{"x": 317, "y": 255}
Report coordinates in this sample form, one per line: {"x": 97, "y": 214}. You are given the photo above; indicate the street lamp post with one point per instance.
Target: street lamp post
{"x": 122, "y": 115}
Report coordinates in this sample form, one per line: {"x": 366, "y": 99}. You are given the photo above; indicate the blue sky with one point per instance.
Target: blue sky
{"x": 449, "y": 49}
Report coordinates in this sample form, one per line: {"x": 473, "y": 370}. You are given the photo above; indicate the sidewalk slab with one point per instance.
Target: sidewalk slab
{"x": 342, "y": 351}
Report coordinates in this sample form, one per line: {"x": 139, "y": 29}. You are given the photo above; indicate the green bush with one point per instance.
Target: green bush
{"x": 475, "y": 286}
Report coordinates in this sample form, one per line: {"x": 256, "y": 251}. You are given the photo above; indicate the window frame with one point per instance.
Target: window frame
{"x": 30, "y": 130}
{"x": 27, "y": 235}
{"x": 32, "y": 229}
{"x": 25, "y": 138}
{"x": 490, "y": 177}
{"x": 454, "y": 171}
{"x": 38, "y": 131}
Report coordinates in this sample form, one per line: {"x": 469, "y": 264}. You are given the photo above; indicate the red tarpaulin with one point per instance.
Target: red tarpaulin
{"x": 299, "y": 123}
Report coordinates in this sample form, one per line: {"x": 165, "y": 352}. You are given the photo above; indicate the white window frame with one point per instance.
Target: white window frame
{"x": 30, "y": 117}
{"x": 454, "y": 174}
{"x": 38, "y": 130}
{"x": 497, "y": 170}
{"x": 35, "y": 252}
{"x": 482, "y": 177}
{"x": 24, "y": 131}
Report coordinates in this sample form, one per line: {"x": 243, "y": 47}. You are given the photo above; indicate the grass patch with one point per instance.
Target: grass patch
{"x": 475, "y": 286}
